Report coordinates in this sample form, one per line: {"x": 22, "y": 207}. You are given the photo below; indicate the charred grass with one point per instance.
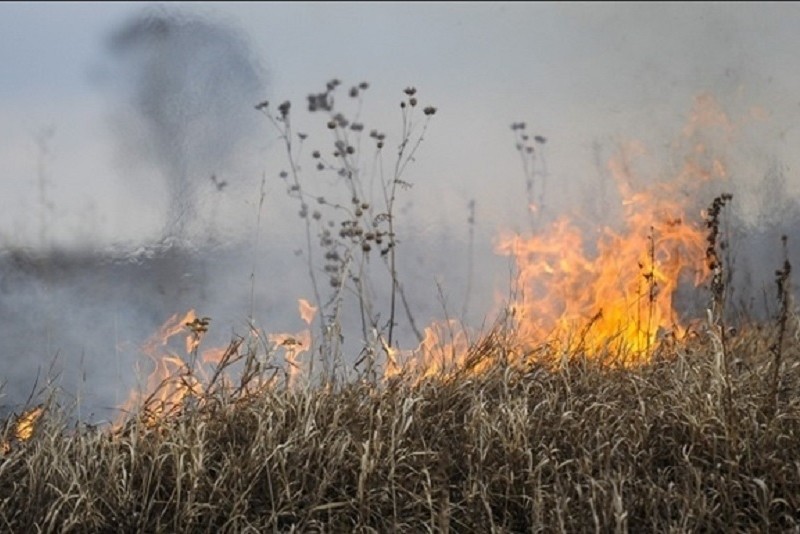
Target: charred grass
{"x": 522, "y": 448}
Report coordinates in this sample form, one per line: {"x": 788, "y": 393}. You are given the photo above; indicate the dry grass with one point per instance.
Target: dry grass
{"x": 583, "y": 448}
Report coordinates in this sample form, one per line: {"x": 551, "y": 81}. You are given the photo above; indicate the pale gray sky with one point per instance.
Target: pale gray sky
{"x": 581, "y": 74}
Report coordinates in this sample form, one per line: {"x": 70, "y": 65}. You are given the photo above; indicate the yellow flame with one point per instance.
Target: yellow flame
{"x": 294, "y": 345}
{"x": 608, "y": 290}
{"x": 307, "y": 311}
{"x": 442, "y": 350}
{"x": 617, "y": 296}
{"x": 23, "y": 428}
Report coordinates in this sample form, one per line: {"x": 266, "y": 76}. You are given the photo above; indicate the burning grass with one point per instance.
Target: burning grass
{"x": 519, "y": 448}
{"x": 595, "y": 406}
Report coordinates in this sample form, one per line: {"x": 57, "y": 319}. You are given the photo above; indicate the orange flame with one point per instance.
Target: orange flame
{"x": 294, "y": 345}
{"x": 619, "y": 299}
{"x": 172, "y": 379}
{"x": 613, "y": 298}
{"x": 175, "y": 380}
{"x": 23, "y": 427}
{"x": 23, "y": 430}
{"x": 442, "y": 350}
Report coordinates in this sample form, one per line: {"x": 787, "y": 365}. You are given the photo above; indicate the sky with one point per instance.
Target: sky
{"x": 585, "y": 75}
{"x": 111, "y": 132}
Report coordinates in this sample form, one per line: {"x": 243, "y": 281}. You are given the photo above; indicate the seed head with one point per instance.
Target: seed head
{"x": 341, "y": 120}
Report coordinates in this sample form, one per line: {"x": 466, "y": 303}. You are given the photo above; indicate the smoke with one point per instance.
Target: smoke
{"x": 182, "y": 90}
{"x": 188, "y": 85}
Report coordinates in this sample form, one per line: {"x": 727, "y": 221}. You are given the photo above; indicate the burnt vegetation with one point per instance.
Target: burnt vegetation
{"x": 704, "y": 436}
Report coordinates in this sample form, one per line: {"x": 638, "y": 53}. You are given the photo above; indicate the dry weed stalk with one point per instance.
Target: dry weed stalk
{"x": 782, "y": 278}
{"x": 353, "y": 230}
{"x": 716, "y": 311}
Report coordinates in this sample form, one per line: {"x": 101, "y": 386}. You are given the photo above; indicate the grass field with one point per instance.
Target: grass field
{"x": 677, "y": 445}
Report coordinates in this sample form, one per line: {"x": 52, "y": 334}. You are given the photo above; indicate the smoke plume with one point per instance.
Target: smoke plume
{"x": 189, "y": 85}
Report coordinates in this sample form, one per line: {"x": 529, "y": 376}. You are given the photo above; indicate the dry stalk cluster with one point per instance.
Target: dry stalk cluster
{"x": 357, "y": 222}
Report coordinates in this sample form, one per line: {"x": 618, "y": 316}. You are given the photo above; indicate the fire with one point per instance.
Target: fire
{"x": 294, "y": 345}
{"x": 442, "y": 350}
{"x": 23, "y": 427}
{"x": 617, "y": 300}
{"x": 23, "y": 430}
{"x": 178, "y": 380}
{"x": 172, "y": 379}
{"x": 607, "y": 292}
{"x": 616, "y": 297}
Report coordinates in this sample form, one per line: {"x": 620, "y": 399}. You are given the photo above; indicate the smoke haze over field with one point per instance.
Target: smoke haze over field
{"x": 133, "y": 157}
{"x": 189, "y": 85}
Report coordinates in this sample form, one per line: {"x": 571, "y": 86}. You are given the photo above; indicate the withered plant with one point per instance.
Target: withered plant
{"x": 359, "y": 224}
